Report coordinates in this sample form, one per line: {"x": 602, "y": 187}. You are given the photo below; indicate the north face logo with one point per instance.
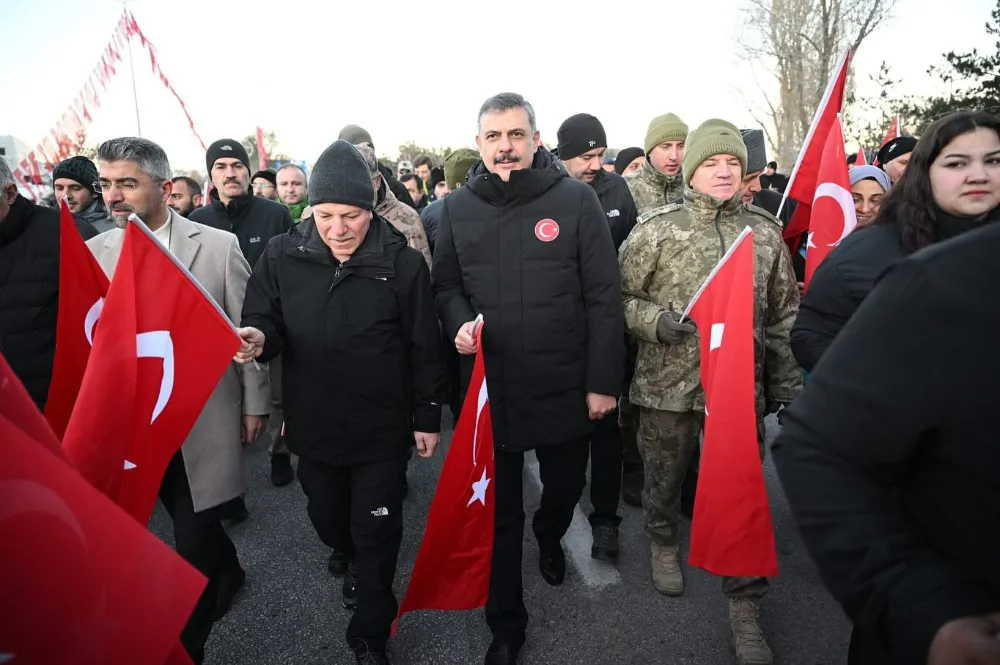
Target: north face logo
{"x": 614, "y": 213}
{"x": 227, "y": 148}
{"x": 380, "y": 512}
{"x": 255, "y": 239}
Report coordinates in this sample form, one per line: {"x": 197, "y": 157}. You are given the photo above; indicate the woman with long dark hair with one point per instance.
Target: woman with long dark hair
{"x": 924, "y": 207}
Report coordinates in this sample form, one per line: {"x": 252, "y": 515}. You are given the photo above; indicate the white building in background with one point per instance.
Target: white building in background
{"x": 13, "y": 150}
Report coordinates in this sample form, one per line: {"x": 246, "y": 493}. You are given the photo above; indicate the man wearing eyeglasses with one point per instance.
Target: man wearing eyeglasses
{"x": 233, "y": 206}
{"x": 265, "y": 185}
{"x": 208, "y": 472}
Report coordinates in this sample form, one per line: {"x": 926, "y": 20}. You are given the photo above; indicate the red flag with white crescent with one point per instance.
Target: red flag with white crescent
{"x": 452, "y": 570}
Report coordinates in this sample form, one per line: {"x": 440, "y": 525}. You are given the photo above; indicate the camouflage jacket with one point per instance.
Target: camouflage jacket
{"x": 407, "y": 221}
{"x": 666, "y": 259}
{"x": 652, "y": 189}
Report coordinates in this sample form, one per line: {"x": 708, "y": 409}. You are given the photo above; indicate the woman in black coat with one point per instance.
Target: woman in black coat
{"x": 890, "y": 457}
{"x": 908, "y": 220}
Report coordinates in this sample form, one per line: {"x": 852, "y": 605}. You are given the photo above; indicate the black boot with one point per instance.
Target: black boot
{"x": 281, "y": 469}
{"x": 605, "y": 547}
{"x": 338, "y": 563}
{"x": 632, "y": 488}
{"x": 230, "y": 583}
{"x": 350, "y": 588}
{"x": 552, "y": 564}
{"x": 235, "y": 510}
{"x": 367, "y": 655}
{"x": 502, "y": 653}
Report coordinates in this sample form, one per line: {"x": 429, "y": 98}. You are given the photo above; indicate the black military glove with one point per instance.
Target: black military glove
{"x": 669, "y": 330}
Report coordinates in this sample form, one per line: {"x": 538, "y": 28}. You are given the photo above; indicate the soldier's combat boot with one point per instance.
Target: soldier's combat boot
{"x": 748, "y": 638}
{"x": 667, "y": 576}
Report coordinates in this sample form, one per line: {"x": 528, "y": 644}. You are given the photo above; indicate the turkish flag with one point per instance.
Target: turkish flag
{"x": 833, "y": 216}
{"x": 452, "y": 570}
{"x": 862, "y": 159}
{"x": 159, "y": 351}
{"x": 731, "y": 532}
{"x": 82, "y": 287}
{"x": 803, "y": 181}
{"x": 261, "y": 151}
{"x": 82, "y": 582}
{"x": 891, "y": 133}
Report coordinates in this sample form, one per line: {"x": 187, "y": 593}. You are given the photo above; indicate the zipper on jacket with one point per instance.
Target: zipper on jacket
{"x": 336, "y": 276}
{"x": 718, "y": 229}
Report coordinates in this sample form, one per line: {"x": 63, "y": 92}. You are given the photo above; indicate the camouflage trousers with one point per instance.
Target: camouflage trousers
{"x": 667, "y": 440}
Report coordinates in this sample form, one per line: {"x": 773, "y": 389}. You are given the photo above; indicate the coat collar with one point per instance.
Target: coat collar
{"x": 184, "y": 244}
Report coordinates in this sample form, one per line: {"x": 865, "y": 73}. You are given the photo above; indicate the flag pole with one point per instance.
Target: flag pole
{"x": 131, "y": 65}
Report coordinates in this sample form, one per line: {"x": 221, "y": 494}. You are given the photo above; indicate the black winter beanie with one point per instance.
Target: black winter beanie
{"x": 626, "y": 157}
{"x": 341, "y": 175}
{"x": 78, "y": 169}
{"x": 578, "y": 134}
{"x": 226, "y": 148}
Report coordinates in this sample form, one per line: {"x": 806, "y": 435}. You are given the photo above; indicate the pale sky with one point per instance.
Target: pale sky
{"x": 407, "y": 72}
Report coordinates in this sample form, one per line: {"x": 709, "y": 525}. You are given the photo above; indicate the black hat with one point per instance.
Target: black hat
{"x": 578, "y": 134}
{"x": 437, "y": 175}
{"x": 753, "y": 139}
{"x": 341, "y": 175}
{"x": 78, "y": 169}
{"x": 226, "y": 148}
{"x": 626, "y": 157}
{"x": 899, "y": 146}
{"x": 354, "y": 134}
{"x": 266, "y": 174}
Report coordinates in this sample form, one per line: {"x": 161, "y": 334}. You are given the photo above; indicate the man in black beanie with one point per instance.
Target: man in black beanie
{"x": 894, "y": 156}
{"x": 582, "y": 144}
{"x": 359, "y": 394}
{"x": 74, "y": 179}
{"x": 265, "y": 184}
{"x": 254, "y": 220}
{"x": 629, "y": 160}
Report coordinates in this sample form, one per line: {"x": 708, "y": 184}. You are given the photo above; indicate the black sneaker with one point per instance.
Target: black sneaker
{"x": 338, "y": 563}
{"x": 350, "y": 589}
{"x": 605, "y": 547}
{"x": 281, "y": 470}
{"x": 235, "y": 511}
{"x": 368, "y": 656}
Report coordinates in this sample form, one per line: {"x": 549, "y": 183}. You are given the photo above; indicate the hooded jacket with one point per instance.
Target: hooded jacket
{"x": 664, "y": 262}
{"x": 535, "y": 257}
{"x": 253, "y": 220}
{"x": 616, "y": 199}
{"x": 96, "y": 215}
{"x": 652, "y": 189}
{"x": 359, "y": 343}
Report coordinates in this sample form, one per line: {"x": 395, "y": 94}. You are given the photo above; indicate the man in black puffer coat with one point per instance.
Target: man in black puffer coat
{"x": 29, "y": 285}
{"x": 529, "y": 248}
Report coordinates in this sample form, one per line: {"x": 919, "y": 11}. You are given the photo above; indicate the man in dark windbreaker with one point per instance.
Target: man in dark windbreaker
{"x": 529, "y": 248}
{"x": 582, "y": 144}
{"x": 349, "y": 306}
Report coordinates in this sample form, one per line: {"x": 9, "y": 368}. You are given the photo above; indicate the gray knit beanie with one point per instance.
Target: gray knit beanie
{"x": 341, "y": 176}
{"x": 756, "y": 151}
{"x": 354, "y": 134}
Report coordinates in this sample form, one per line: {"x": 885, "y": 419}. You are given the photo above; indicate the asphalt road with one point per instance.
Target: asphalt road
{"x": 289, "y": 612}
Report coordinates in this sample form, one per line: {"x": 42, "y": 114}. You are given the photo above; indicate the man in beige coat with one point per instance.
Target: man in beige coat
{"x": 209, "y": 469}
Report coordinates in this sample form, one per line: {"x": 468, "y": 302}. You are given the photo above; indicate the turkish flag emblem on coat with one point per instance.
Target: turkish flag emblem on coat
{"x": 82, "y": 287}
{"x": 82, "y": 582}
{"x": 731, "y": 532}
{"x": 160, "y": 348}
{"x": 452, "y": 570}
{"x": 833, "y": 216}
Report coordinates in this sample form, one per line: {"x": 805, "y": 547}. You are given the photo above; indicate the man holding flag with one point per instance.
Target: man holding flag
{"x": 209, "y": 470}
{"x": 666, "y": 259}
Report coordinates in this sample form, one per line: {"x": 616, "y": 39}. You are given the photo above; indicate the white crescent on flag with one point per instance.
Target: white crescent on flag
{"x": 846, "y": 203}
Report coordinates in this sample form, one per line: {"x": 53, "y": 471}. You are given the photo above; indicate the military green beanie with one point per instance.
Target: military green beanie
{"x": 713, "y": 137}
{"x": 456, "y": 164}
{"x": 663, "y": 128}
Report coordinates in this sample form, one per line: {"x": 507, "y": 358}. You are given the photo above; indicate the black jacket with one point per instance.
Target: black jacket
{"x": 29, "y": 292}
{"x": 360, "y": 343}
{"x": 616, "y": 199}
{"x": 252, "y": 219}
{"x": 889, "y": 457}
{"x": 551, "y": 309}
{"x": 395, "y": 186}
{"x": 844, "y": 279}
{"x": 431, "y": 219}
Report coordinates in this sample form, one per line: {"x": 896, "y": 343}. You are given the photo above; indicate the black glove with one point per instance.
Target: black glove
{"x": 670, "y": 331}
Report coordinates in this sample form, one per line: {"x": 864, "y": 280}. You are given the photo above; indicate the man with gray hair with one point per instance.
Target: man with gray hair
{"x": 529, "y": 249}
{"x": 29, "y": 285}
{"x": 208, "y": 470}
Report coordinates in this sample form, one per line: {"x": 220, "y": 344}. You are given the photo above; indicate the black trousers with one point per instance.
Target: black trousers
{"x": 202, "y": 542}
{"x": 563, "y": 470}
{"x": 358, "y": 510}
{"x": 606, "y": 470}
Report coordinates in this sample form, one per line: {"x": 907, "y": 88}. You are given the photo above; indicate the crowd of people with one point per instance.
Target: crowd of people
{"x": 359, "y": 287}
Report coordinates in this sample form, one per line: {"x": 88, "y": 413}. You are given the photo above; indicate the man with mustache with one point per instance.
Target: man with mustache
{"x": 207, "y": 472}
{"x": 582, "y": 144}
{"x": 254, "y": 220}
{"x": 529, "y": 249}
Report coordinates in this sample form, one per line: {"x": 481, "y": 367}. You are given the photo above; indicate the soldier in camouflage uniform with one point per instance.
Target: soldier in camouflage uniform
{"x": 656, "y": 183}
{"x": 665, "y": 260}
